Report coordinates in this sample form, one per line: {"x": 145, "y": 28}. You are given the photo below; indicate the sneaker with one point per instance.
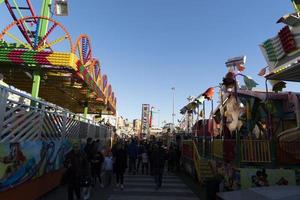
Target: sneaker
{"x": 122, "y": 187}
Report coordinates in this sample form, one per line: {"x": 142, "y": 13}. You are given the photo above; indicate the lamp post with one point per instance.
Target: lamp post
{"x": 173, "y": 114}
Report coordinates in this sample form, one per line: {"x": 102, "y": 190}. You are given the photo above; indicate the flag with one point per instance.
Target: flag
{"x": 200, "y": 99}
{"x": 209, "y": 93}
{"x": 278, "y": 85}
{"x": 262, "y": 72}
{"x": 249, "y": 82}
{"x": 296, "y": 4}
{"x": 240, "y": 67}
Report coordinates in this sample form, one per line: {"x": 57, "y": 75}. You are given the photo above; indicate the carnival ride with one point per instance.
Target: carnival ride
{"x": 70, "y": 76}
{"x": 282, "y": 54}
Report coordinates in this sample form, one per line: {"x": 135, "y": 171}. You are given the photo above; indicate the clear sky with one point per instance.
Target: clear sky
{"x": 146, "y": 47}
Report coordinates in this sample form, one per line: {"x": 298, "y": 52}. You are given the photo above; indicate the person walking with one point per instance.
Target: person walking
{"x": 96, "y": 165}
{"x": 171, "y": 158}
{"x": 145, "y": 162}
{"x": 139, "y": 157}
{"x": 77, "y": 167}
{"x": 159, "y": 155}
{"x": 120, "y": 164}
{"x": 132, "y": 154}
{"x": 108, "y": 168}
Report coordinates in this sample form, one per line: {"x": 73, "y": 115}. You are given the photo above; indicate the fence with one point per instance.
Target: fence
{"x": 190, "y": 150}
{"x": 23, "y": 118}
{"x": 288, "y": 152}
{"x": 217, "y": 148}
{"x": 257, "y": 151}
{"x": 35, "y": 136}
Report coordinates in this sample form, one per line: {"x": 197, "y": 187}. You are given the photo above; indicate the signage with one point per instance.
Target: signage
{"x": 145, "y": 120}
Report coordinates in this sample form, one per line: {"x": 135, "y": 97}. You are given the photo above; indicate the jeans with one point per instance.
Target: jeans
{"x": 158, "y": 175}
{"x": 145, "y": 166}
{"x": 74, "y": 187}
{"x": 120, "y": 178}
{"x": 139, "y": 162}
{"x": 132, "y": 165}
{"x": 108, "y": 177}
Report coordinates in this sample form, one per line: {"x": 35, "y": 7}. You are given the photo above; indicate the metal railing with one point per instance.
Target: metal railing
{"x": 288, "y": 152}
{"x": 257, "y": 151}
{"x": 24, "y": 118}
{"x": 217, "y": 148}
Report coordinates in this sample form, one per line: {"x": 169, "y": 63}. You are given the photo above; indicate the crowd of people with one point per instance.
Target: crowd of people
{"x": 94, "y": 166}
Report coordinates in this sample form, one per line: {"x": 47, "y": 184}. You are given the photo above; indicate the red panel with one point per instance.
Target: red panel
{"x": 287, "y": 39}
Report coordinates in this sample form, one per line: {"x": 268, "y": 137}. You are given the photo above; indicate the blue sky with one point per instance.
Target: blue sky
{"x": 148, "y": 46}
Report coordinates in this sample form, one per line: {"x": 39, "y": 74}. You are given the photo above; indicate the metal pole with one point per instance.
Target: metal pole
{"x": 270, "y": 129}
{"x": 203, "y": 129}
{"x": 173, "y": 114}
{"x": 237, "y": 133}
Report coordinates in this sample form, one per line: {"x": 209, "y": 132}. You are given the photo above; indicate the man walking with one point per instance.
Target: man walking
{"x": 132, "y": 154}
{"x": 77, "y": 168}
{"x": 159, "y": 155}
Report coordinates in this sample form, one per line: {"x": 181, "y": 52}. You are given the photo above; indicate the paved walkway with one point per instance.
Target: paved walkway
{"x": 136, "y": 187}
{"x": 142, "y": 187}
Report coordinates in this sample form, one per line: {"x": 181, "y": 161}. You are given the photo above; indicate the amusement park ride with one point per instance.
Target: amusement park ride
{"x": 37, "y": 55}
{"x": 251, "y": 128}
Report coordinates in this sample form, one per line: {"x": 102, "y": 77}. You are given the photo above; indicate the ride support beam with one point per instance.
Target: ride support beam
{"x": 36, "y": 84}
{"x": 45, "y": 12}
{"x": 85, "y": 111}
{"x": 43, "y": 26}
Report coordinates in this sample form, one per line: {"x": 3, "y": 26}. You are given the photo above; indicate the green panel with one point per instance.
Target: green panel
{"x": 28, "y": 57}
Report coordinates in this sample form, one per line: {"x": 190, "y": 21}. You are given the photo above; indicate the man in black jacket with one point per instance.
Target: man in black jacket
{"x": 77, "y": 168}
{"x": 159, "y": 157}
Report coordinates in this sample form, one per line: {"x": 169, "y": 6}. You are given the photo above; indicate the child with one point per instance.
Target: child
{"x": 108, "y": 167}
{"x": 144, "y": 162}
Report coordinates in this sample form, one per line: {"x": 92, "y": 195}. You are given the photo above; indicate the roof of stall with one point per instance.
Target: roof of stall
{"x": 291, "y": 73}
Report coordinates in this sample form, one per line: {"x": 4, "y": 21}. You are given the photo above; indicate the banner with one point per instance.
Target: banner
{"x": 145, "y": 120}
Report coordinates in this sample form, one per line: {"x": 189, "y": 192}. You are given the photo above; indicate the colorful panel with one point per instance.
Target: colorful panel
{"x": 287, "y": 40}
{"x": 269, "y": 177}
{"x": 20, "y": 162}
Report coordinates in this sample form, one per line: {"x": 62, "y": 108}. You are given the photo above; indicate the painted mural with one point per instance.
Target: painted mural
{"x": 20, "y": 162}
{"x": 266, "y": 177}
{"x": 228, "y": 174}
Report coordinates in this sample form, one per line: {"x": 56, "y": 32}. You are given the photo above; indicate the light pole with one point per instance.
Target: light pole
{"x": 173, "y": 114}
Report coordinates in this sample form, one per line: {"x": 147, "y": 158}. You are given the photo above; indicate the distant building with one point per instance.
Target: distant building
{"x": 137, "y": 125}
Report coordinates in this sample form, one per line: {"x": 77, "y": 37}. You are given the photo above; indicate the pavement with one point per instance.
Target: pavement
{"x": 136, "y": 187}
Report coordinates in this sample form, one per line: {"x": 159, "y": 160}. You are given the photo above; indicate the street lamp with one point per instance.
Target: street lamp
{"x": 173, "y": 114}
{"x": 61, "y": 7}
